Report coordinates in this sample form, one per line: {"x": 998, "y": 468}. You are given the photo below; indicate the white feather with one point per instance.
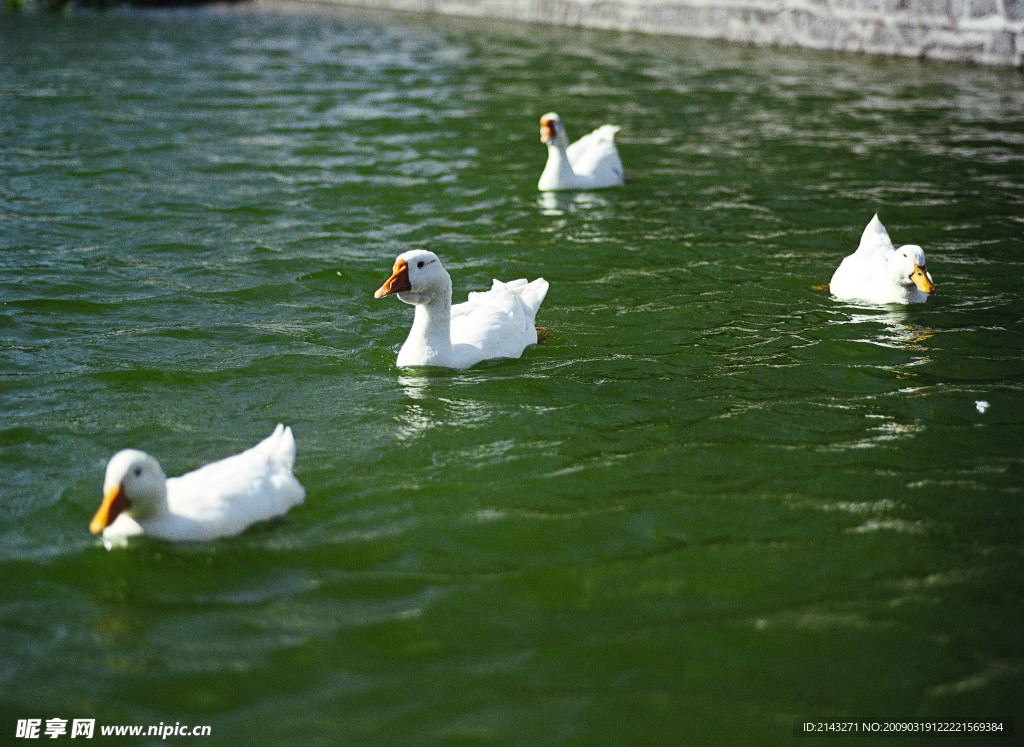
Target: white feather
{"x": 217, "y": 500}
{"x": 592, "y": 162}
{"x": 498, "y": 323}
{"x": 880, "y": 273}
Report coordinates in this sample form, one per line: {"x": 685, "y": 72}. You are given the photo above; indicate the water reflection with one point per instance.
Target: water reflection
{"x": 896, "y": 330}
{"x": 556, "y": 204}
{"x": 414, "y": 419}
{"x": 890, "y": 328}
{"x": 886, "y": 431}
{"x": 423, "y": 411}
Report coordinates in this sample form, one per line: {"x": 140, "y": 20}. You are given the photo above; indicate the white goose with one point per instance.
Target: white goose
{"x": 498, "y": 323}
{"x": 217, "y": 500}
{"x": 880, "y": 273}
{"x": 592, "y": 162}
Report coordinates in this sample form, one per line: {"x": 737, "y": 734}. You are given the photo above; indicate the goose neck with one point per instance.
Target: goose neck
{"x": 432, "y": 324}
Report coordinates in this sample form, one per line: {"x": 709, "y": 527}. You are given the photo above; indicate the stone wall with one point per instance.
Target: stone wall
{"x": 987, "y": 32}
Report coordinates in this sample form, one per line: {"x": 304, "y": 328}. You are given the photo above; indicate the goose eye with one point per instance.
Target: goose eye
{"x": 138, "y": 471}
{"x": 420, "y": 263}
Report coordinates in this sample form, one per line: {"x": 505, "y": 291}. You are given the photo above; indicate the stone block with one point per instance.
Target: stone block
{"x": 983, "y": 8}
{"x": 933, "y": 8}
{"x": 1004, "y": 45}
{"x": 885, "y": 39}
{"x": 989, "y": 32}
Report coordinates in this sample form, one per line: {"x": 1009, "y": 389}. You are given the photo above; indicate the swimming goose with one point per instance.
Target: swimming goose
{"x": 498, "y": 323}
{"x": 592, "y": 162}
{"x": 217, "y": 500}
{"x": 879, "y": 273}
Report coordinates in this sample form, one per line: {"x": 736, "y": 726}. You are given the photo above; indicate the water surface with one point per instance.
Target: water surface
{"x": 715, "y": 502}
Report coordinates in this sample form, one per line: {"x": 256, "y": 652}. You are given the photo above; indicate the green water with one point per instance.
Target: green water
{"x": 715, "y": 503}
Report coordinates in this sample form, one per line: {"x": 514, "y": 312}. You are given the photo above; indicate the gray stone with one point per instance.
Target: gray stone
{"x": 988, "y": 32}
{"x": 984, "y": 8}
{"x": 1003, "y": 45}
{"x": 933, "y": 7}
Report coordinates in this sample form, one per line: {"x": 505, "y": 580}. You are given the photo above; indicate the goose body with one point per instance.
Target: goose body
{"x": 592, "y": 162}
{"x": 218, "y": 500}
{"x": 498, "y": 323}
{"x": 878, "y": 272}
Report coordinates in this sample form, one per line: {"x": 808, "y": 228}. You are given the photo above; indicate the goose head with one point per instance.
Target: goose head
{"x": 552, "y": 131}
{"x": 134, "y": 485}
{"x": 909, "y": 268}
{"x": 418, "y": 277}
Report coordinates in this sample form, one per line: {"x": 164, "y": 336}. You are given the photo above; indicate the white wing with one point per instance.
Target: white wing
{"x": 596, "y": 156}
{"x": 225, "y": 497}
{"x": 500, "y": 322}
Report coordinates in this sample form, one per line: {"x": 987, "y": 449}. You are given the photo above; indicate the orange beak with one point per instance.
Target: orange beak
{"x": 113, "y": 504}
{"x": 547, "y": 130}
{"x": 397, "y": 283}
{"x": 921, "y": 280}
